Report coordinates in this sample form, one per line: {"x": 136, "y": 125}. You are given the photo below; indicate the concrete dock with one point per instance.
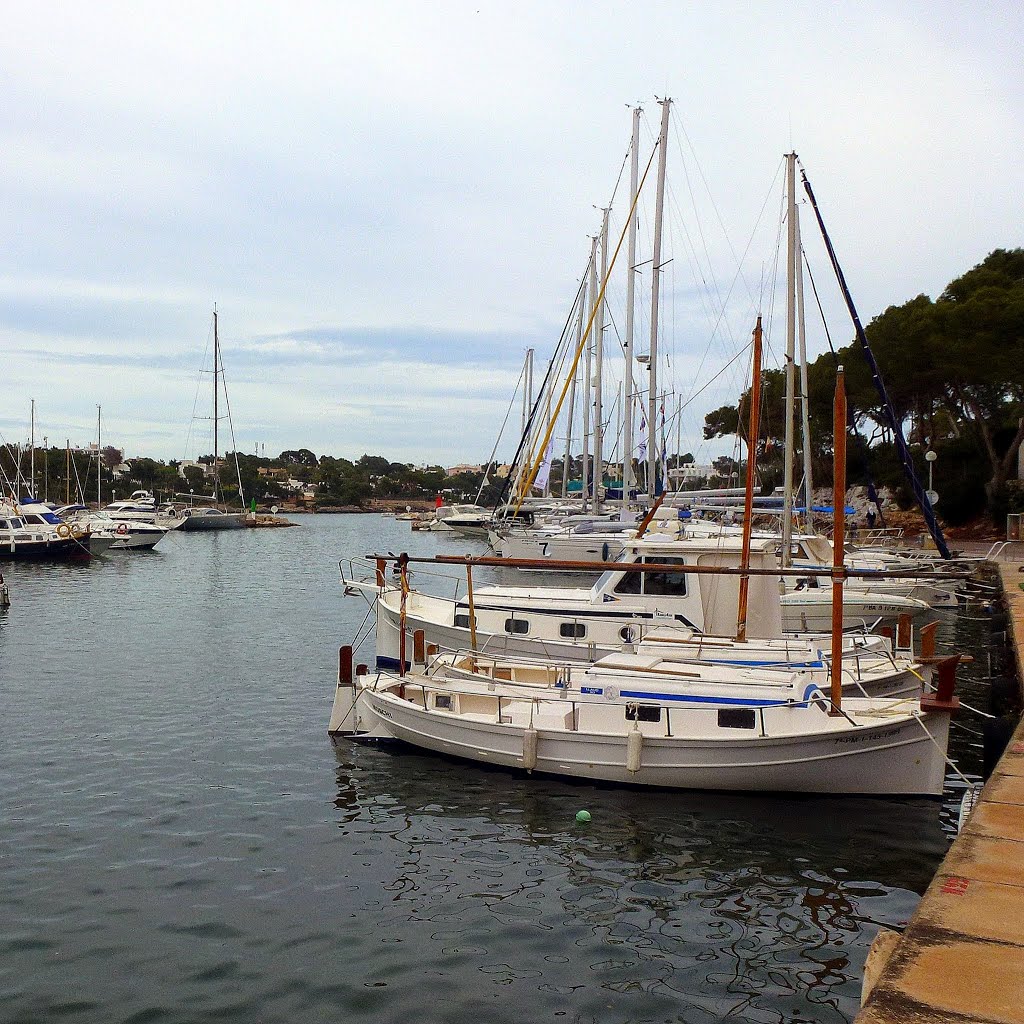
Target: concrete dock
{"x": 961, "y": 957}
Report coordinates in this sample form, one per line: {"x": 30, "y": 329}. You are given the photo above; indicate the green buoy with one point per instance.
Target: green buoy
{"x": 583, "y": 817}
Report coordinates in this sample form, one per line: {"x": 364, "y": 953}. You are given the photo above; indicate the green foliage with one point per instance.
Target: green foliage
{"x": 301, "y": 457}
{"x": 954, "y": 373}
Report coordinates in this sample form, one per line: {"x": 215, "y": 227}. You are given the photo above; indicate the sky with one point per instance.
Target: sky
{"x": 390, "y": 202}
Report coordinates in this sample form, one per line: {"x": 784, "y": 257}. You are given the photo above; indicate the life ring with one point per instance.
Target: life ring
{"x": 76, "y": 531}
{"x": 122, "y": 528}
{"x": 63, "y": 531}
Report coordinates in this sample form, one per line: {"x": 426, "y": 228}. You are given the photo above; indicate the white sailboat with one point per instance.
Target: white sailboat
{"x": 641, "y": 720}
{"x": 208, "y": 515}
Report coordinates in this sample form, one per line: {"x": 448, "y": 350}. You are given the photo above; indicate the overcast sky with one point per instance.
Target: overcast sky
{"x": 389, "y": 202}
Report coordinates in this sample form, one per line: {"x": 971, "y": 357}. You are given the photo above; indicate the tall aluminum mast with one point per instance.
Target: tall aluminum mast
{"x": 627, "y": 345}
{"x": 598, "y": 335}
{"x": 585, "y": 476}
{"x": 659, "y": 216}
{"x": 792, "y": 267}
{"x": 216, "y": 363}
{"x": 805, "y": 415}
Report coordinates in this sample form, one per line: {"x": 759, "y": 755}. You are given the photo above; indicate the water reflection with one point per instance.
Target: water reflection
{"x": 742, "y": 905}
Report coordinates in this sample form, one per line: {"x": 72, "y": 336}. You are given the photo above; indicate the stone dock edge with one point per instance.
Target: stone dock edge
{"x": 961, "y": 956}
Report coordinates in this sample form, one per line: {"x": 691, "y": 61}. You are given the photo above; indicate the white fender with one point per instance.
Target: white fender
{"x": 529, "y": 748}
{"x": 634, "y": 744}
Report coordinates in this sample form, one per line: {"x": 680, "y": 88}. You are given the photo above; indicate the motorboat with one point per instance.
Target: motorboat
{"x": 23, "y": 541}
{"x": 467, "y": 516}
{"x": 140, "y": 507}
{"x": 121, "y": 534}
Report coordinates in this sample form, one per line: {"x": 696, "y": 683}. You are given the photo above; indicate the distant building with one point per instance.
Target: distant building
{"x": 456, "y": 470}
{"x": 204, "y": 468}
{"x": 272, "y": 473}
{"x": 692, "y": 471}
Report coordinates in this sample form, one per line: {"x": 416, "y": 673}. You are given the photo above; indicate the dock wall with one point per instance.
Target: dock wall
{"x": 961, "y": 957}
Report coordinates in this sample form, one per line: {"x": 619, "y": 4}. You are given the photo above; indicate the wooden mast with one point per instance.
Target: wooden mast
{"x": 748, "y": 496}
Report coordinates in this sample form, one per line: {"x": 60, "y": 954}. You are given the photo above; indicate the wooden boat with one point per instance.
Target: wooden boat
{"x": 641, "y": 720}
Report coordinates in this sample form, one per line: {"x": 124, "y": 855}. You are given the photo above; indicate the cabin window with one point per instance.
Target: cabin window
{"x": 627, "y": 634}
{"x": 666, "y": 583}
{"x": 629, "y": 584}
{"x": 735, "y": 718}
{"x": 462, "y": 620}
{"x": 572, "y": 630}
{"x": 4, "y": 525}
{"x": 657, "y": 584}
{"x": 443, "y": 701}
{"x": 517, "y": 626}
{"x": 643, "y": 713}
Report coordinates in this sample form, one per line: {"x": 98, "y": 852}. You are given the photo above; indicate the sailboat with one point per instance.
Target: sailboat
{"x": 212, "y": 516}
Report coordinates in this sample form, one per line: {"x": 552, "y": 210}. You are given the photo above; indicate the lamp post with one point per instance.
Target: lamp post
{"x": 930, "y": 457}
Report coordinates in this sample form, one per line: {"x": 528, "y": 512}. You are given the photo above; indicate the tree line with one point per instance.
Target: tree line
{"x": 954, "y": 371}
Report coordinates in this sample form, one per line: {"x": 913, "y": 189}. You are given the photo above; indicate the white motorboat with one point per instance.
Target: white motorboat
{"x": 139, "y": 508}
{"x": 467, "y": 516}
{"x": 641, "y": 720}
{"x": 22, "y": 540}
{"x": 587, "y": 541}
{"x": 122, "y": 534}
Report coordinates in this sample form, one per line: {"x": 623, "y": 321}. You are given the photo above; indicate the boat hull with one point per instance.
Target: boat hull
{"x": 228, "y": 521}
{"x": 58, "y": 549}
{"x": 893, "y": 758}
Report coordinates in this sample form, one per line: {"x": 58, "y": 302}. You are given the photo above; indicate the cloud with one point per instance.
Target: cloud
{"x": 389, "y": 203}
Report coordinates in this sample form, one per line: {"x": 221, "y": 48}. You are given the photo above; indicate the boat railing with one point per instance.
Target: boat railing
{"x": 365, "y": 569}
{"x": 813, "y": 697}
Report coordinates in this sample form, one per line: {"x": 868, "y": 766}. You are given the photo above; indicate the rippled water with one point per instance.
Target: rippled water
{"x": 180, "y": 841}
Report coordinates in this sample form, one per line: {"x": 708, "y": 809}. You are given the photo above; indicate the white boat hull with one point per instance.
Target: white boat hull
{"x": 903, "y": 757}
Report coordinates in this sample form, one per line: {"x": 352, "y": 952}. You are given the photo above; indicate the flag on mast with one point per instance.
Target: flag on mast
{"x": 544, "y": 473}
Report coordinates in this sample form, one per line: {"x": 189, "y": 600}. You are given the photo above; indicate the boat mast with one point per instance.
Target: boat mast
{"x": 839, "y": 415}
{"x": 99, "y": 464}
{"x": 895, "y": 424}
{"x": 32, "y": 454}
{"x": 748, "y": 494}
{"x": 587, "y": 375}
{"x": 627, "y": 345}
{"x": 805, "y": 414}
{"x": 67, "y": 475}
{"x": 787, "y": 447}
{"x": 659, "y": 216}
{"x": 572, "y": 399}
{"x": 216, "y": 361}
{"x": 599, "y": 371}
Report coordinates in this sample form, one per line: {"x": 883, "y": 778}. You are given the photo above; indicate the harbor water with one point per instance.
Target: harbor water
{"x": 180, "y": 840}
